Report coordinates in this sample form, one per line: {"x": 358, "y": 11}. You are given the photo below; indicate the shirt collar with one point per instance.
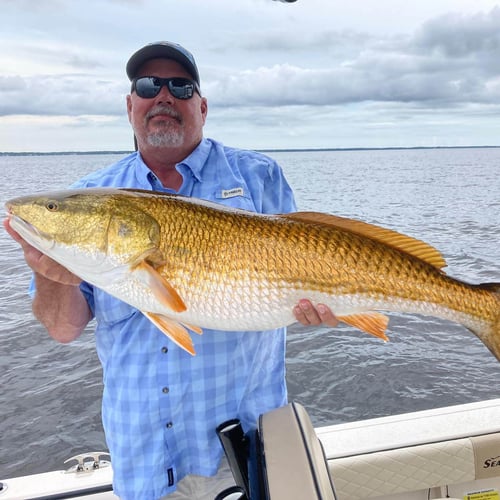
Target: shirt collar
{"x": 194, "y": 162}
{"x": 197, "y": 159}
{"x": 142, "y": 172}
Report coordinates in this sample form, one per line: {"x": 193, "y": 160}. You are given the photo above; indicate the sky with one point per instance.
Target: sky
{"x": 309, "y": 74}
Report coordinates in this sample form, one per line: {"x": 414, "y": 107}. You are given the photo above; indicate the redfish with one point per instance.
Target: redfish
{"x": 189, "y": 264}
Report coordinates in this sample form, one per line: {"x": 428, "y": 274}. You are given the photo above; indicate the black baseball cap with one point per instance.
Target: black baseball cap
{"x": 163, "y": 50}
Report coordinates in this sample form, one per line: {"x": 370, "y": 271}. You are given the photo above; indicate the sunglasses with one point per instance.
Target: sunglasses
{"x": 148, "y": 87}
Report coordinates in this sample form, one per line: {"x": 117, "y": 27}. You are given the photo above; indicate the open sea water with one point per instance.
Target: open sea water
{"x": 50, "y": 393}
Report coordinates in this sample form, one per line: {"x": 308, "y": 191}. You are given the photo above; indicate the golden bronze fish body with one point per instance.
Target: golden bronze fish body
{"x": 181, "y": 260}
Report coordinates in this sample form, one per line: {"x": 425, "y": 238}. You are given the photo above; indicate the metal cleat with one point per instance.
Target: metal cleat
{"x": 86, "y": 465}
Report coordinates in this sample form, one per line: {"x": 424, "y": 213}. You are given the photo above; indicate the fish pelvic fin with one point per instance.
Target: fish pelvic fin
{"x": 194, "y": 328}
{"x": 370, "y": 322}
{"x": 163, "y": 291}
{"x": 402, "y": 242}
{"x": 173, "y": 330}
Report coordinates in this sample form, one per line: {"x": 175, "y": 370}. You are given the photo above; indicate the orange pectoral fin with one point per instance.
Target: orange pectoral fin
{"x": 373, "y": 323}
{"x": 164, "y": 292}
{"x": 173, "y": 330}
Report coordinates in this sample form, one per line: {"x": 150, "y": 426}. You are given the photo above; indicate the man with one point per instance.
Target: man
{"x": 160, "y": 405}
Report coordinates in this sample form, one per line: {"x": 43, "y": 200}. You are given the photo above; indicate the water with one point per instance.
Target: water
{"x": 50, "y": 393}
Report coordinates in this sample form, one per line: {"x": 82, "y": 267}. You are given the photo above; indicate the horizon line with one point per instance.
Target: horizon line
{"x": 264, "y": 150}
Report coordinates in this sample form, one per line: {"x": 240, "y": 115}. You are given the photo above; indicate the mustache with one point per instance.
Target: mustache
{"x": 163, "y": 110}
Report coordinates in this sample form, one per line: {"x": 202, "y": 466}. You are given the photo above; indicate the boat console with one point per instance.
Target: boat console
{"x": 282, "y": 459}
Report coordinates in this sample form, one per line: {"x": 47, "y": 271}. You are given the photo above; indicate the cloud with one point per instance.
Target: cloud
{"x": 65, "y": 94}
{"x": 451, "y": 60}
{"x": 458, "y": 36}
{"x": 278, "y": 40}
{"x": 57, "y": 56}
{"x": 269, "y": 66}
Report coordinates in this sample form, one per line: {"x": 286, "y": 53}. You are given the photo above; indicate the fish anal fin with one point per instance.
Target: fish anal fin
{"x": 402, "y": 242}
{"x": 173, "y": 330}
{"x": 373, "y": 323}
{"x": 163, "y": 291}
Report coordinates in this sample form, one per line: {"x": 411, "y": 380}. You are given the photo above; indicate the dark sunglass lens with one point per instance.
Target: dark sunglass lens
{"x": 147, "y": 87}
{"x": 181, "y": 88}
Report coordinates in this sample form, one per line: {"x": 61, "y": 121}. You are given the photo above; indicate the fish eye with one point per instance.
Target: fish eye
{"x": 52, "y": 206}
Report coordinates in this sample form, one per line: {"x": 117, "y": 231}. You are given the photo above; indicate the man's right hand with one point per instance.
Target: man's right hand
{"x": 41, "y": 264}
{"x": 59, "y": 303}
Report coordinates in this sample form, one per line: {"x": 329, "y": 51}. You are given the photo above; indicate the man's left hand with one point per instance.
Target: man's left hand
{"x": 307, "y": 314}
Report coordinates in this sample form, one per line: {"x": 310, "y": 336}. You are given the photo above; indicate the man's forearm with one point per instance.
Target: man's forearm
{"x": 62, "y": 309}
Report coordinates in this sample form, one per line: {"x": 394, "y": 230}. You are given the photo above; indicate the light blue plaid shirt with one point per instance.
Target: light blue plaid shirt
{"x": 160, "y": 404}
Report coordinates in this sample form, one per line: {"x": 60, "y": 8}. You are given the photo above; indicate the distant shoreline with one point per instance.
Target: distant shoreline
{"x": 286, "y": 150}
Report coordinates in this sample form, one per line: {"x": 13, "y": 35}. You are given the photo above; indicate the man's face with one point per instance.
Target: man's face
{"x": 165, "y": 121}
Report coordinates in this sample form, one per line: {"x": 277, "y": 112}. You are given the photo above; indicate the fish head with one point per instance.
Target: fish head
{"x": 87, "y": 231}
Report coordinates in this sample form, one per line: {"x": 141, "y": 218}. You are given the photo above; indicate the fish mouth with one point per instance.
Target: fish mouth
{"x": 30, "y": 233}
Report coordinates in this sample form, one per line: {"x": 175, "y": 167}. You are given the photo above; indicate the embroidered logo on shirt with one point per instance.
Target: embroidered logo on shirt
{"x": 231, "y": 193}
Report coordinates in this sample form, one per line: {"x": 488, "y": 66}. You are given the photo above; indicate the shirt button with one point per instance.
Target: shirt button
{"x": 169, "y": 425}
{"x": 164, "y": 350}
{"x": 165, "y": 390}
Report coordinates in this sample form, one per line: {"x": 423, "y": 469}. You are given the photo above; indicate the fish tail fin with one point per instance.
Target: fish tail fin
{"x": 496, "y": 324}
{"x": 492, "y": 338}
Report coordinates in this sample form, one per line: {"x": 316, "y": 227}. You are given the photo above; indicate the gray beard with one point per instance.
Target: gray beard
{"x": 170, "y": 135}
{"x": 165, "y": 139}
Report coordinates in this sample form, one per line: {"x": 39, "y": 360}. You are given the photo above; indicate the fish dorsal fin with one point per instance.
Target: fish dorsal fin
{"x": 402, "y": 242}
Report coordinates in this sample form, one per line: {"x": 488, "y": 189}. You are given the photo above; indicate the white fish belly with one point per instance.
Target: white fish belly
{"x": 260, "y": 305}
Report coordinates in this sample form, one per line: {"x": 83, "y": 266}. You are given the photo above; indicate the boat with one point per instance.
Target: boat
{"x": 450, "y": 452}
